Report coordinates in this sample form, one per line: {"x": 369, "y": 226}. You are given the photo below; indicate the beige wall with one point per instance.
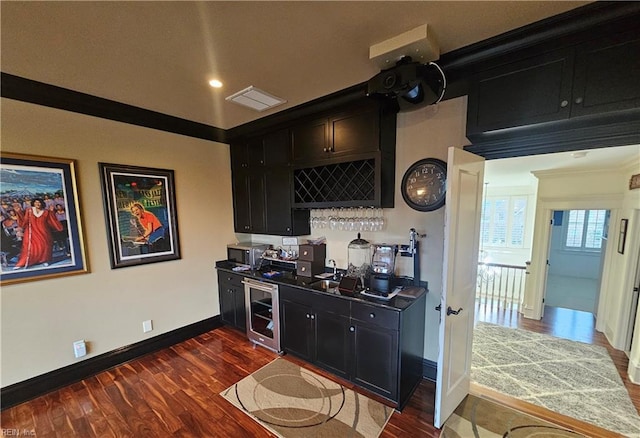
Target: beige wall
{"x": 41, "y": 319}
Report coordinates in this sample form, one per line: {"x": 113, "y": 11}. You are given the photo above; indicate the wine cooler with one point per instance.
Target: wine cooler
{"x": 263, "y": 320}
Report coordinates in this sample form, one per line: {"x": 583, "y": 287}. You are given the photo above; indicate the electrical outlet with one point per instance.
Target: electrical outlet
{"x": 79, "y": 348}
{"x": 147, "y": 326}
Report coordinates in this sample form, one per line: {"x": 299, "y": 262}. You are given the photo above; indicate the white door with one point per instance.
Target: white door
{"x": 465, "y": 175}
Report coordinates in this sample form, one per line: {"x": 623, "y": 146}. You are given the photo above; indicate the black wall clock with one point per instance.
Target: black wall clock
{"x": 424, "y": 184}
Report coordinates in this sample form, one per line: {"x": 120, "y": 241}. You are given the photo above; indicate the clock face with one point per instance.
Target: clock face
{"x": 424, "y": 184}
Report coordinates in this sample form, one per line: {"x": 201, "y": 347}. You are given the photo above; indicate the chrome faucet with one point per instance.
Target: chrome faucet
{"x": 335, "y": 270}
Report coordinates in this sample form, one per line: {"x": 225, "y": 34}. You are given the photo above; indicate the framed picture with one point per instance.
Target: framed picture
{"x": 623, "y": 235}
{"x": 140, "y": 210}
{"x": 42, "y": 233}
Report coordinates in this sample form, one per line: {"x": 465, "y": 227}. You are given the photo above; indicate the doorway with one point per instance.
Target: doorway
{"x": 577, "y": 243}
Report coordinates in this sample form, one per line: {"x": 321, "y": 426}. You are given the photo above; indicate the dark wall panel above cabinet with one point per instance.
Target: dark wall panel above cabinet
{"x": 531, "y": 91}
{"x": 580, "y": 96}
{"x": 607, "y": 75}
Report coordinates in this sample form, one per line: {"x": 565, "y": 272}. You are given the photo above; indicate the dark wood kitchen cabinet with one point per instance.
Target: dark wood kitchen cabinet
{"x": 261, "y": 181}
{"x": 591, "y": 78}
{"x": 232, "y": 301}
{"x": 375, "y": 347}
{"x": 315, "y": 328}
{"x": 345, "y": 158}
{"x": 348, "y": 132}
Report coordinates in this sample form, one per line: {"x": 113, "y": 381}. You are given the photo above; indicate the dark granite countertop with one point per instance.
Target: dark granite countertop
{"x": 289, "y": 278}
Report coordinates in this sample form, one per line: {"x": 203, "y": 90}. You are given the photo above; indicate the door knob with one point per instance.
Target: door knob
{"x": 352, "y": 329}
{"x": 450, "y": 311}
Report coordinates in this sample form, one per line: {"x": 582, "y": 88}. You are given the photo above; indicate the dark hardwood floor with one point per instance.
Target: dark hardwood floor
{"x": 175, "y": 391}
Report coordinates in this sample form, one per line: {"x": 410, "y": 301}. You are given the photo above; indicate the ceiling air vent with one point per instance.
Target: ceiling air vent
{"x": 255, "y": 99}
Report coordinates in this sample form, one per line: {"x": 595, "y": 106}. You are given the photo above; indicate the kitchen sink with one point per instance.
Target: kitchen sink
{"x": 324, "y": 285}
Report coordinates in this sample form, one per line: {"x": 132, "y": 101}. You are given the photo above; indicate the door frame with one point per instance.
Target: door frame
{"x": 536, "y": 281}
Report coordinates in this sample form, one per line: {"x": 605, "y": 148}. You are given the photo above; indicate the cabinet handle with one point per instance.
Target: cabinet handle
{"x": 305, "y": 253}
{"x": 372, "y": 315}
{"x": 303, "y": 269}
{"x": 308, "y": 316}
{"x": 564, "y": 103}
{"x": 313, "y": 317}
{"x": 352, "y": 329}
{"x": 325, "y": 149}
{"x": 579, "y": 100}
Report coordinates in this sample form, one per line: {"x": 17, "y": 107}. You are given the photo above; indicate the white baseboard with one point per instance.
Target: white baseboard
{"x": 634, "y": 372}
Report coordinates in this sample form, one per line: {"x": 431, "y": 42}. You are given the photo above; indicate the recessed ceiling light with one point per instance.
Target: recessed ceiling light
{"x": 215, "y": 83}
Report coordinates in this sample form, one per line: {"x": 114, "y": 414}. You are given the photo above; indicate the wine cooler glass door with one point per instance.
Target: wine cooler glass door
{"x": 262, "y": 313}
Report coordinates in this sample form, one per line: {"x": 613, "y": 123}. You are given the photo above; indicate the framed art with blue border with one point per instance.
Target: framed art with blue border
{"x": 42, "y": 234}
{"x": 140, "y": 210}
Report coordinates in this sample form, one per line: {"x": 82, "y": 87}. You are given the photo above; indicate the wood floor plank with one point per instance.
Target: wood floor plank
{"x": 175, "y": 392}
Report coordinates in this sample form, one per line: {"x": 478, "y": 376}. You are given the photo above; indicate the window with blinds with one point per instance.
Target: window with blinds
{"x": 583, "y": 229}
{"x": 503, "y": 222}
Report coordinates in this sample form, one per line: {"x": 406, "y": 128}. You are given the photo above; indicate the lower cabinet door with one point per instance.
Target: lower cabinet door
{"x": 240, "y": 312}
{"x": 375, "y": 359}
{"x": 232, "y": 309}
{"x": 296, "y": 329}
{"x": 227, "y": 304}
{"x": 332, "y": 343}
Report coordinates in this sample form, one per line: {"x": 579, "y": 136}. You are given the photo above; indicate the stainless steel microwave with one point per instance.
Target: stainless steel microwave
{"x": 246, "y": 253}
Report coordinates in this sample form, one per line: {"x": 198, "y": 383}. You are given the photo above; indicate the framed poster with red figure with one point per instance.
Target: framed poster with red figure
{"x": 40, "y": 217}
{"x": 140, "y": 211}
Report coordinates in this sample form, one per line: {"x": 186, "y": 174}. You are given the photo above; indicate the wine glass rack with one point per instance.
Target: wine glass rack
{"x": 346, "y": 183}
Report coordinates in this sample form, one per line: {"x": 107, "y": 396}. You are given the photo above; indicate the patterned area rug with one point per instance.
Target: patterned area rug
{"x": 481, "y": 418}
{"x": 575, "y": 379}
{"x": 293, "y": 402}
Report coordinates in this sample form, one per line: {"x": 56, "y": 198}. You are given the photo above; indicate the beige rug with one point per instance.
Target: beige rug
{"x": 572, "y": 378}
{"x": 293, "y": 402}
{"x": 481, "y": 418}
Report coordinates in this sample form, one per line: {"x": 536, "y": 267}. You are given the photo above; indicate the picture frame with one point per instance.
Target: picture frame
{"x": 140, "y": 213}
{"x": 623, "y": 235}
{"x": 42, "y": 234}
{"x": 634, "y": 182}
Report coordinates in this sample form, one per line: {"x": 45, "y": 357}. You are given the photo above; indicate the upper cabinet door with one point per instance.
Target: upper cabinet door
{"x": 607, "y": 75}
{"x": 355, "y": 132}
{"x": 310, "y": 141}
{"x": 277, "y": 148}
{"x": 533, "y": 90}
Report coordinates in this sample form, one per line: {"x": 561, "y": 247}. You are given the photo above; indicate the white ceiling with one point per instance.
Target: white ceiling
{"x": 509, "y": 172}
{"x": 160, "y": 55}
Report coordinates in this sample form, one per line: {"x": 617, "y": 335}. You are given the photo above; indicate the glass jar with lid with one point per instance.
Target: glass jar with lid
{"x": 359, "y": 257}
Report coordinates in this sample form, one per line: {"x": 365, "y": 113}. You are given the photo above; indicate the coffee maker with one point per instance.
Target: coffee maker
{"x": 383, "y": 264}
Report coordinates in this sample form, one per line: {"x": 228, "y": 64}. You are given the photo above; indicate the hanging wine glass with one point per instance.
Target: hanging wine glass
{"x": 333, "y": 219}
{"x": 342, "y": 221}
